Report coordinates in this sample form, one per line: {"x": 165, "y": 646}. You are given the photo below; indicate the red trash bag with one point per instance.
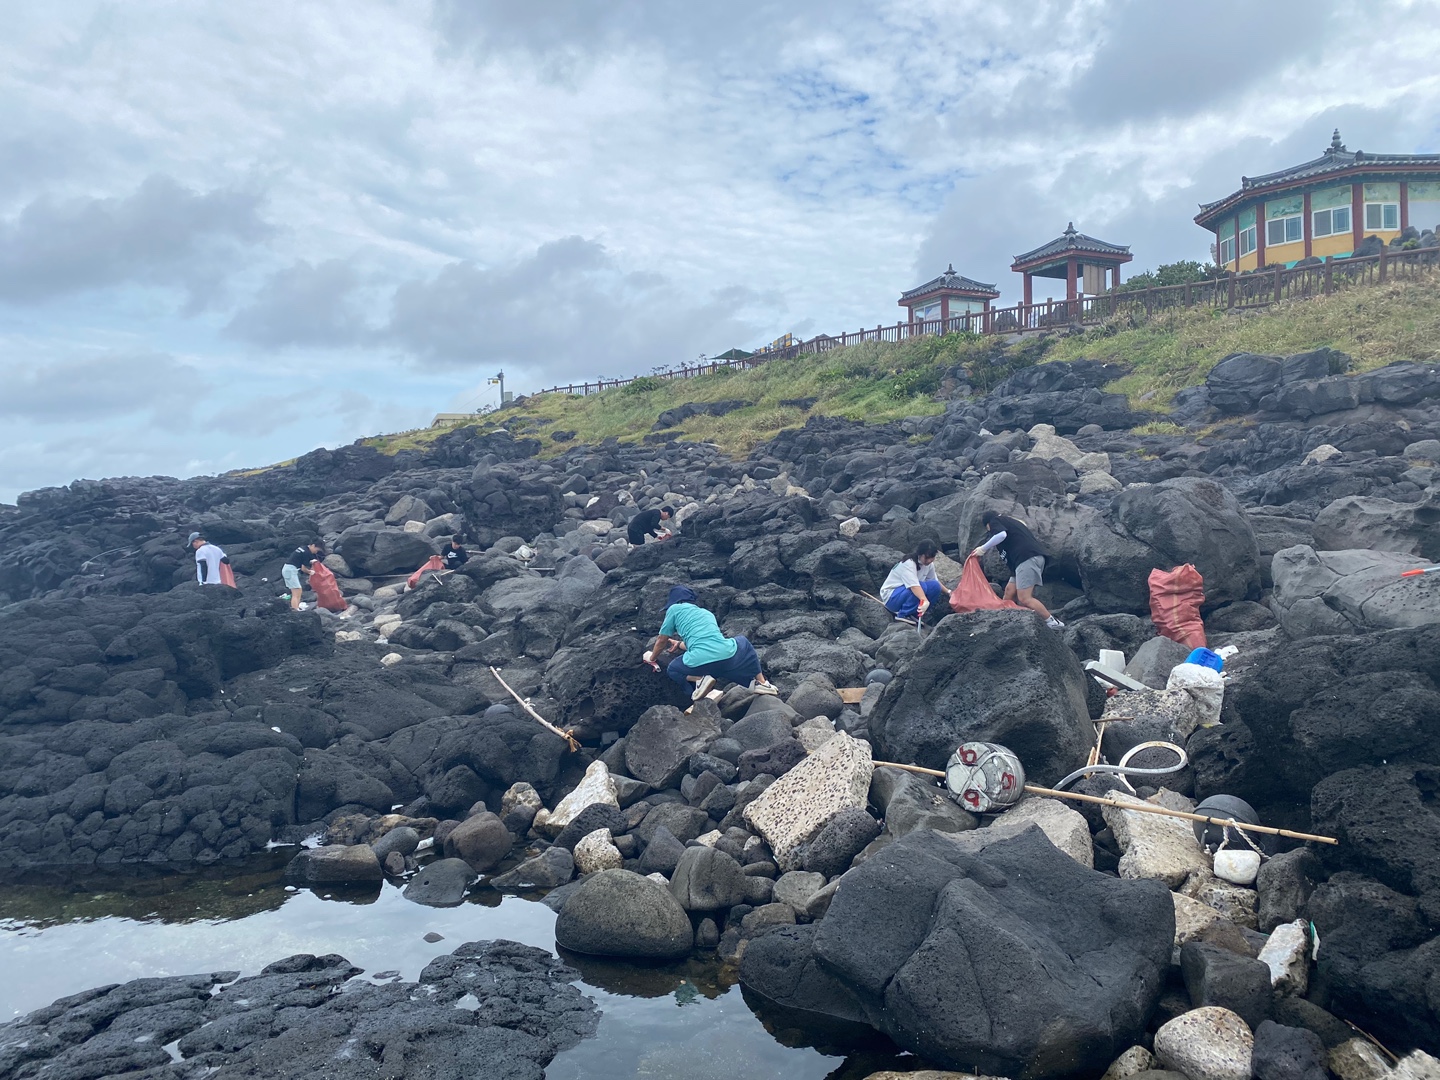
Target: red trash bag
{"x": 1175, "y": 599}
{"x": 326, "y": 588}
{"x": 227, "y": 575}
{"x": 435, "y": 562}
{"x": 973, "y": 592}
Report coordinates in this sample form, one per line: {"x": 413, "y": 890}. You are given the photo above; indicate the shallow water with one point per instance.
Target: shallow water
{"x": 62, "y": 935}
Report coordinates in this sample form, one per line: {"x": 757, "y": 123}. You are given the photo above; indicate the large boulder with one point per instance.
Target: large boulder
{"x": 706, "y": 879}
{"x": 376, "y": 549}
{"x": 658, "y": 748}
{"x": 989, "y": 676}
{"x": 1011, "y": 961}
{"x": 1187, "y": 519}
{"x": 602, "y": 685}
{"x": 620, "y": 913}
{"x": 1365, "y": 521}
{"x": 1339, "y": 592}
{"x": 335, "y": 864}
{"x": 1237, "y": 383}
{"x": 482, "y": 841}
{"x": 797, "y": 806}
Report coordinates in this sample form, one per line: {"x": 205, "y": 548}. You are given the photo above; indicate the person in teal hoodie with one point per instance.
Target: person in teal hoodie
{"x": 709, "y": 657}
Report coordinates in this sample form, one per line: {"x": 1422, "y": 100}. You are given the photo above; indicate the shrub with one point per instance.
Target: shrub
{"x": 644, "y": 384}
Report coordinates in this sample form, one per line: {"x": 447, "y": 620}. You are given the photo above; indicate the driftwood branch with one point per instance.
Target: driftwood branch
{"x": 569, "y": 738}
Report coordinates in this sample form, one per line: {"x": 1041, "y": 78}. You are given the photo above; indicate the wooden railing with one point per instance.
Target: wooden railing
{"x": 1254, "y": 289}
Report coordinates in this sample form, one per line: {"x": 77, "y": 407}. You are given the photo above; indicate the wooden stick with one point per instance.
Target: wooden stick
{"x": 569, "y": 738}
{"x": 1145, "y": 809}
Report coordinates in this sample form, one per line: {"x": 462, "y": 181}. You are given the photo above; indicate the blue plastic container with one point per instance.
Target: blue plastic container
{"x": 1206, "y": 658}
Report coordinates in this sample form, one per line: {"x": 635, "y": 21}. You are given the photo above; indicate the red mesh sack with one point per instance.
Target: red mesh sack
{"x": 227, "y": 575}
{"x": 973, "y": 591}
{"x": 326, "y": 588}
{"x": 1175, "y": 599}
{"x": 435, "y": 562}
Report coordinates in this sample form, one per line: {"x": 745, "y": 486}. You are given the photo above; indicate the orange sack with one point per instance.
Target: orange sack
{"x": 326, "y": 588}
{"x": 1175, "y": 599}
{"x": 973, "y": 591}
{"x": 227, "y": 575}
{"x": 435, "y": 562}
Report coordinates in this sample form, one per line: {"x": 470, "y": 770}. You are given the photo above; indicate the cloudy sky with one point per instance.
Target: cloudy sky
{"x": 230, "y": 232}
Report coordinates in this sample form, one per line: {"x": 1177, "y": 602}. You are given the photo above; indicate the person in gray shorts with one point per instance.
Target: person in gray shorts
{"x": 1025, "y": 557}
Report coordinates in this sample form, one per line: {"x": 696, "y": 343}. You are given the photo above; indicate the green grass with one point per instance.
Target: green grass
{"x": 877, "y": 382}
{"x": 1376, "y": 325}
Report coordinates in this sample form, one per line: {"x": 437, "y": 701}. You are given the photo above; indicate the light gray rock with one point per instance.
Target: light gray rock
{"x": 402, "y": 838}
{"x": 1206, "y": 1044}
{"x": 1063, "y": 827}
{"x": 1154, "y": 846}
{"x": 796, "y": 807}
{"x": 335, "y": 864}
{"x": 1364, "y": 521}
{"x": 1339, "y": 592}
{"x": 550, "y": 869}
{"x": 596, "y": 851}
{"x": 1287, "y": 954}
{"x": 595, "y": 787}
{"x": 440, "y": 884}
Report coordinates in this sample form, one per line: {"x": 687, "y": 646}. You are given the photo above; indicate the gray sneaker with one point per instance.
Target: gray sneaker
{"x": 1054, "y": 623}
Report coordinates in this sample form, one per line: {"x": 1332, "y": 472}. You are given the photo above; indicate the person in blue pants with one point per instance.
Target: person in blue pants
{"x": 709, "y": 656}
{"x": 912, "y": 585}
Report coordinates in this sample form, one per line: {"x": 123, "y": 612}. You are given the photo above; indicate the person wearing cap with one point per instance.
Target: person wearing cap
{"x": 647, "y": 523}
{"x": 299, "y": 563}
{"x": 208, "y": 560}
{"x": 708, "y": 655}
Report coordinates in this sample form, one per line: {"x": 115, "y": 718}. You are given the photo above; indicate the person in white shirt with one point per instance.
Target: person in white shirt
{"x": 912, "y": 585}
{"x": 208, "y": 559}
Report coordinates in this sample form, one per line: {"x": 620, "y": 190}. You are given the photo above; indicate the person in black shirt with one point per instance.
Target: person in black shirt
{"x": 455, "y": 555}
{"x": 647, "y": 523}
{"x": 1025, "y": 558}
{"x": 296, "y": 564}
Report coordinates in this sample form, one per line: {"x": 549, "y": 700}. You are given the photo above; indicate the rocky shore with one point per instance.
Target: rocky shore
{"x": 146, "y": 719}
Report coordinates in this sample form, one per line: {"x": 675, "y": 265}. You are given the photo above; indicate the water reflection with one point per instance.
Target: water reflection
{"x": 60, "y": 934}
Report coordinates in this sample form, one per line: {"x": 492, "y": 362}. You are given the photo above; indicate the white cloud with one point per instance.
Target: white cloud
{"x": 367, "y": 205}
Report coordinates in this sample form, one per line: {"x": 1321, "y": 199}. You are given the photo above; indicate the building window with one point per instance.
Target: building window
{"x": 1227, "y": 250}
{"x": 1284, "y": 230}
{"x": 1382, "y": 217}
{"x": 1247, "y": 240}
{"x": 1332, "y": 222}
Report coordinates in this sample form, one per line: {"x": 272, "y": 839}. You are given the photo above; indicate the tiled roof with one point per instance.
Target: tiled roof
{"x": 1336, "y": 158}
{"x": 1070, "y": 241}
{"x": 950, "y": 280}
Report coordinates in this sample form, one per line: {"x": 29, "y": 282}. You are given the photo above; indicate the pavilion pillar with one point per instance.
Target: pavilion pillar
{"x": 944, "y": 314}
{"x": 1357, "y": 216}
{"x": 1308, "y": 223}
{"x": 1070, "y": 271}
{"x": 1404, "y": 205}
{"x": 1028, "y": 300}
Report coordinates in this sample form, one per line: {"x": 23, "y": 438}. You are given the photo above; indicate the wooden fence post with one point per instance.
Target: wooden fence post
{"x": 1278, "y": 270}
{"x": 1329, "y": 275}
{"x": 1232, "y": 290}
{"x": 1383, "y": 261}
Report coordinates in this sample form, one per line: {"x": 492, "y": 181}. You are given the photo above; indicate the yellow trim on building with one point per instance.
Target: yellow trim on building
{"x": 1248, "y": 262}
{"x": 1339, "y": 244}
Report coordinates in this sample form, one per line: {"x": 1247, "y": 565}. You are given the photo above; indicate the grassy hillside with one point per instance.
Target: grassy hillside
{"x": 878, "y": 383}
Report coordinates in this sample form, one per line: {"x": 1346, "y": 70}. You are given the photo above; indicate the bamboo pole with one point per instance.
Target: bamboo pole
{"x": 574, "y": 745}
{"x": 1144, "y": 809}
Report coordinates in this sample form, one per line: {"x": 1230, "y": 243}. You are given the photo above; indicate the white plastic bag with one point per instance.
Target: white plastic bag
{"x": 1205, "y": 685}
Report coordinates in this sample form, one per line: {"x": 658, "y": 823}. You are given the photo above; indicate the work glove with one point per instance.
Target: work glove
{"x": 924, "y": 607}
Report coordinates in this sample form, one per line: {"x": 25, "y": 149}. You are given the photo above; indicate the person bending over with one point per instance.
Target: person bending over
{"x": 298, "y": 563}
{"x": 709, "y": 656}
{"x": 647, "y": 523}
{"x": 1025, "y": 558}
{"x": 912, "y": 585}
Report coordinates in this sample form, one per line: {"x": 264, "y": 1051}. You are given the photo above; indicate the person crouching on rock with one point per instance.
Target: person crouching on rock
{"x": 912, "y": 585}
{"x": 647, "y": 523}
{"x": 455, "y": 555}
{"x": 709, "y": 656}
{"x": 1025, "y": 558}
{"x": 208, "y": 561}
{"x": 299, "y": 563}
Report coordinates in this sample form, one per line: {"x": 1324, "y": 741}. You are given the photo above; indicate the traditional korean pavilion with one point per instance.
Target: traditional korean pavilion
{"x": 947, "y": 296}
{"x": 1081, "y": 261}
